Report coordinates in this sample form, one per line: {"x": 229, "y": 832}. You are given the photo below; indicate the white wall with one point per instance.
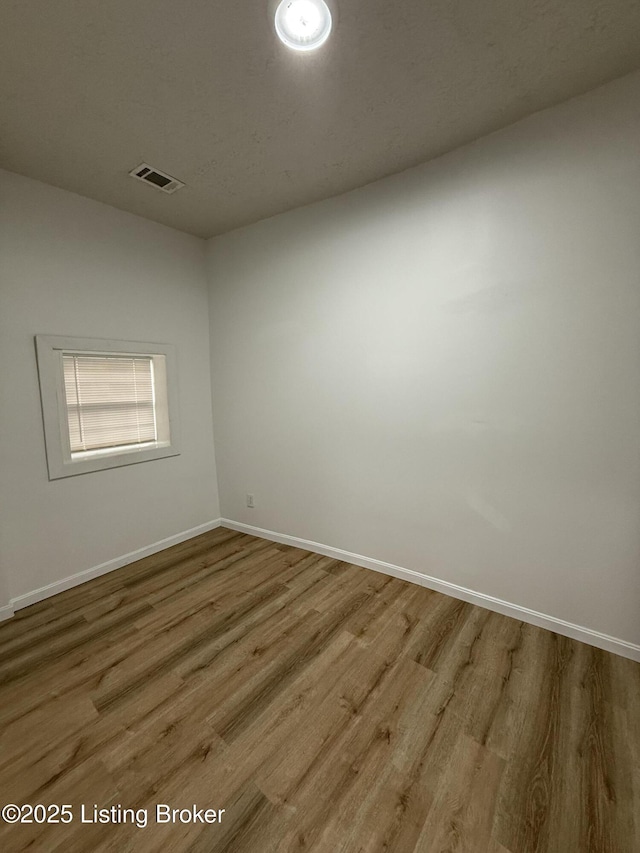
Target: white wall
{"x": 71, "y": 266}
{"x": 442, "y": 370}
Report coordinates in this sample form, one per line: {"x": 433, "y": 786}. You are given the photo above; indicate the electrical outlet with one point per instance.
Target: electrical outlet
{"x": 250, "y": 502}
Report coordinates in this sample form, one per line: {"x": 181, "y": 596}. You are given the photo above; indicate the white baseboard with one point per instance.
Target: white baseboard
{"x": 533, "y": 617}
{"x": 6, "y": 611}
{"x": 94, "y": 572}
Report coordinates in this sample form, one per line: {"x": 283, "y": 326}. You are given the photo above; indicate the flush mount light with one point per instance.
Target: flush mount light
{"x": 303, "y": 24}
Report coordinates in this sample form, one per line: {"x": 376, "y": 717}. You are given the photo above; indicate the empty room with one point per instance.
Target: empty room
{"x": 320, "y": 419}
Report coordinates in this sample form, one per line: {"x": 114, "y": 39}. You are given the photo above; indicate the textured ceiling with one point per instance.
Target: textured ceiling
{"x": 204, "y": 91}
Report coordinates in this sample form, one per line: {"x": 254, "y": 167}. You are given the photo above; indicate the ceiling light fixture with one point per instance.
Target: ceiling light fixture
{"x": 303, "y": 24}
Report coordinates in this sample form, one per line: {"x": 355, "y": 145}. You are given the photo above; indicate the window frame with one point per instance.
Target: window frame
{"x": 49, "y": 351}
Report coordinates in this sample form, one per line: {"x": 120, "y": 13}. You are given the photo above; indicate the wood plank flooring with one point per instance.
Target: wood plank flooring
{"x": 325, "y": 707}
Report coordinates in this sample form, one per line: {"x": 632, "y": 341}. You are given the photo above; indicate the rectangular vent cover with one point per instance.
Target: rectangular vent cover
{"x": 159, "y": 180}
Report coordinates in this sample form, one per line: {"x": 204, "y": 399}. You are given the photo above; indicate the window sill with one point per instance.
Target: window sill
{"x": 99, "y": 461}
{"x": 119, "y": 450}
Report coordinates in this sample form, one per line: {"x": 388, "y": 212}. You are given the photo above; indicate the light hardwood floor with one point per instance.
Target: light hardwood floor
{"x": 326, "y": 707}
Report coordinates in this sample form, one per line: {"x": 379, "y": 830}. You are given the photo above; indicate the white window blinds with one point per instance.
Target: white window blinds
{"x": 110, "y": 400}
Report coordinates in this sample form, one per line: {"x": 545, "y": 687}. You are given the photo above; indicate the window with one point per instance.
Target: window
{"x": 111, "y": 402}
{"x": 105, "y": 403}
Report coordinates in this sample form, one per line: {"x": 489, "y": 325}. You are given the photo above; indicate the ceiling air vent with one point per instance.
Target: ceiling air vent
{"x": 159, "y": 180}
